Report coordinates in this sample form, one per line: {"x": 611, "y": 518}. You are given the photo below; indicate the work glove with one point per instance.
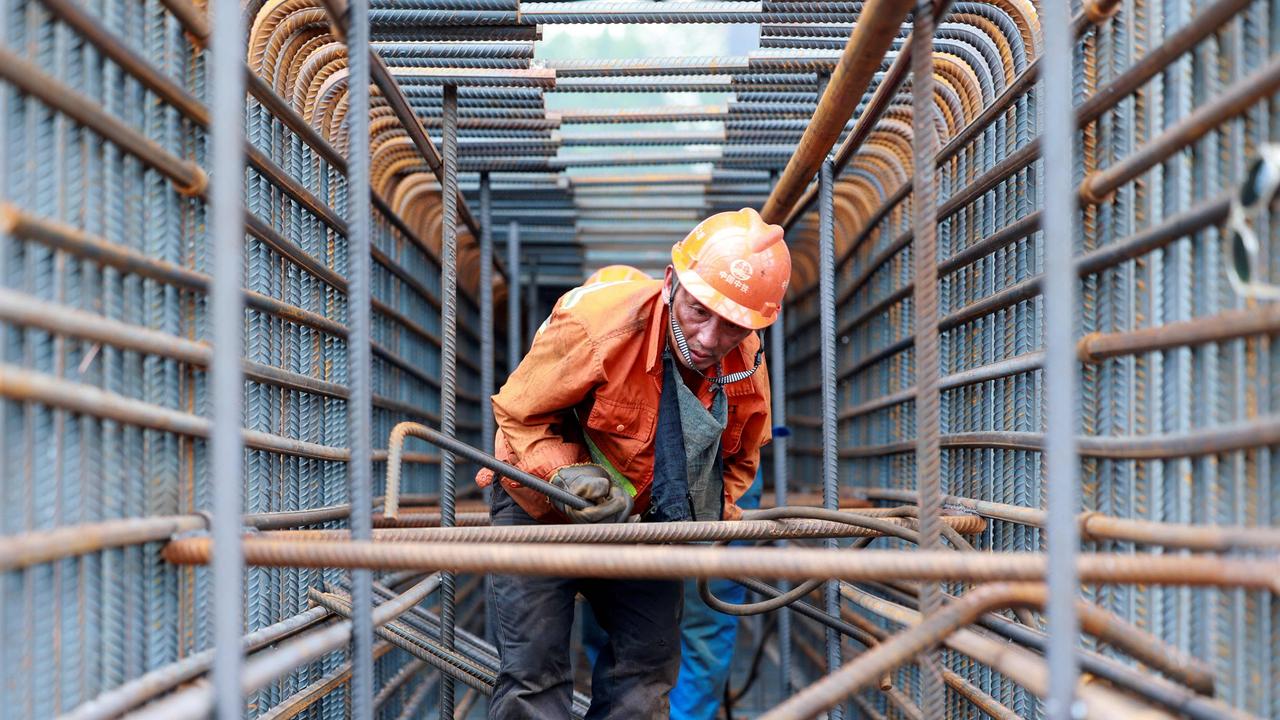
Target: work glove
{"x": 590, "y": 482}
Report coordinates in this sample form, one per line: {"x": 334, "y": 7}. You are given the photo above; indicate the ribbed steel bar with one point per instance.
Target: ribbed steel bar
{"x": 477, "y": 77}
{"x": 642, "y": 137}
{"x": 778, "y": 387}
{"x": 308, "y": 696}
{"x": 1205, "y": 23}
{"x": 827, "y": 312}
{"x": 455, "y": 51}
{"x": 877, "y": 26}
{"x": 226, "y": 377}
{"x": 679, "y": 113}
{"x": 1171, "y": 228}
{"x": 1023, "y": 666}
{"x": 1062, "y": 466}
{"x": 1097, "y": 526}
{"x": 675, "y": 562}
{"x": 442, "y": 17}
{"x": 486, "y": 314}
{"x": 596, "y": 12}
{"x": 800, "y": 526}
{"x": 21, "y": 384}
{"x": 710, "y": 84}
{"x": 928, "y": 419}
{"x": 1231, "y": 102}
{"x": 901, "y": 648}
{"x": 1251, "y": 434}
{"x": 359, "y": 357}
{"x": 43, "y": 546}
{"x": 197, "y": 700}
{"x": 117, "y": 701}
{"x": 1107, "y": 97}
{"x": 515, "y": 346}
{"x": 1191, "y": 671}
{"x": 452, "y": 665}
{"x": 621, "y": 67}
{"x": 458, "y": 33}
{"x": 186, "y": 176}
{"x": 448, "y": 369}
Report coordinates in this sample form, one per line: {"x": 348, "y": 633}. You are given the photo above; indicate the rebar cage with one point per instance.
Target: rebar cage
{"x": 107, "y": 337}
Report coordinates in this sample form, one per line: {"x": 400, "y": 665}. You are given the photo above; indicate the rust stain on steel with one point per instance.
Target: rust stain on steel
{"x": 580, "y": 560}
{"x": 705, "y": 531}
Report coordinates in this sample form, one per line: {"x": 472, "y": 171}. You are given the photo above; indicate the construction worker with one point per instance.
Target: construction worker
{"x": 649, "y": 395}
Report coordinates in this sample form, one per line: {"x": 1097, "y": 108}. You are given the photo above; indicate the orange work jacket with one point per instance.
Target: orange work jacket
{"x": 599, "y": 357}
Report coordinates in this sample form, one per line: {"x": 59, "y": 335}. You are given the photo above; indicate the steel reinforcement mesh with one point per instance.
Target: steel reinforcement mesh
{"x": 137, "y": 259}
{"x": 989, "y": 258}
{"x": 103, "y": 257}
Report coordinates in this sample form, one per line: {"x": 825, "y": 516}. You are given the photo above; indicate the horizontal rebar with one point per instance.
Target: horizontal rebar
{"x": 710, "y": 531}
{"x": 677, "y": 562}
{"x": 596, "y": 12}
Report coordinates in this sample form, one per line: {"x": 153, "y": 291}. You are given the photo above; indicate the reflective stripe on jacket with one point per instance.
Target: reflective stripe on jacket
{"x": 600, "y": 354}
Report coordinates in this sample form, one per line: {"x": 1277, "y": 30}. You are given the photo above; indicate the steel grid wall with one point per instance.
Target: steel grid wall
{"x": 104, "y": 322}
{"x": 991, "y": 314}
{"x": 77, "y": 627}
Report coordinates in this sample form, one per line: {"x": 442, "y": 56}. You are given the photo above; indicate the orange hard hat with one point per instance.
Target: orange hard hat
{"x": 615, "y": 273}
{"x": 737, "y": 265}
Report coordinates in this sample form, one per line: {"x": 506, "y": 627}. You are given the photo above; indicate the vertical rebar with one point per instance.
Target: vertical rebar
{"x": 778, "y": 382}
{"x": 486, "y": 313}
{"x": 226, "y": 374}
{"x": 1061, "y": 423}
{"x": 448, "y": 367}
{"x": 928, "y": 415}
{"x": 514, "y": 348}
{"x": 486, "y": 347}
{"x": 827, "y": 311}
{"x": 359, "y": 353}
{"x": 531, "y": 304}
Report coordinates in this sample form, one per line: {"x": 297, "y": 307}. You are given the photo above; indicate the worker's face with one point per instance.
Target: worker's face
{"x": 710, "y": 336}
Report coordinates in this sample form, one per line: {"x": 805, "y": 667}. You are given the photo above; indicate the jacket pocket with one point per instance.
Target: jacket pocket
{"x": 621, "y": 429}
{"x": 731, "y": 440}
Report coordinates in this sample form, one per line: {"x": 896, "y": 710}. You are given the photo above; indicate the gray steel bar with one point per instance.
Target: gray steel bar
{"x": 924, "y": 147}
{"x": 830, "y": 462}
{"x": 531, "y": 305}
{"x": 486, "y": 313}
{"x": 613, "y": 11}
{"x": 514, "y": 347}
{"x": 1062, "y": 466}
{"x": 448, "y": 369}
{"x": 778, "y": 382}
{"x": 226, "y": 381}
{"x": 359, "y": 351}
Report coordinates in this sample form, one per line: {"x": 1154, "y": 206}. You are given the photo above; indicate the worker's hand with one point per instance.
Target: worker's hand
{"x": 590, "y": 482}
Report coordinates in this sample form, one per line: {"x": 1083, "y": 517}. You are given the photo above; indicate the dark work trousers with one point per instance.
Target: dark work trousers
{"x": 636, "y": 668}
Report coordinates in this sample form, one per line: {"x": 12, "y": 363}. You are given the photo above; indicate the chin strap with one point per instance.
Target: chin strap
{"x": 683, "y": 346}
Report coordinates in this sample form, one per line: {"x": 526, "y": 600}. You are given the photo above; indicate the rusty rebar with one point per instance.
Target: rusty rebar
{"x": 1232, "y": 101}
{"x": 852, "y": 525}
{"x": 901, "y": 648}
{"x": 1097, "y": 526}
{"x": 611, "y": 561}
{"x": 197, "y": 701}
{"x": 877, "y": 26}
{"x": 395, "y": 447}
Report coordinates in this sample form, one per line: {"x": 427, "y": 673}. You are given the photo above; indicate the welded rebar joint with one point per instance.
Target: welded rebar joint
{"x": 1089, "y": 195}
